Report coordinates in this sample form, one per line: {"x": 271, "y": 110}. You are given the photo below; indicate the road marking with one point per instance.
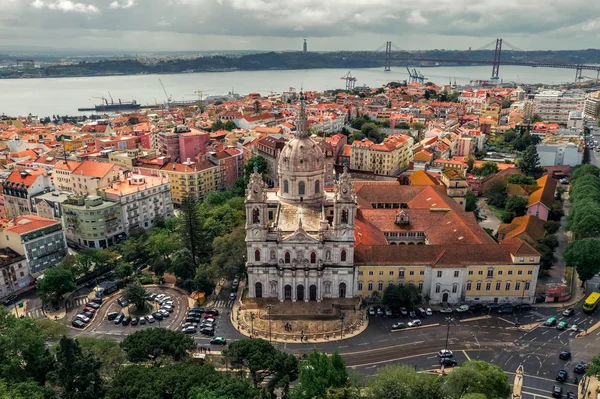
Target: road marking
{"x": 533, "y": 339}
{"x": 343, "y": 346}
{"x": 383, "y": 340}
{"x": 468, "y": 358}
{"x": 509, "y": 359}
{"x": 537, "y": 395}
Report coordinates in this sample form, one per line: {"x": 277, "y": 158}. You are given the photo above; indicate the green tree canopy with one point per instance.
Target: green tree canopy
{"x": 318, "y": 373}
{"x": 495, "y": 191}
{"x": 358, "y": 122}
{"x": 154, "y": 343}
{"x": 530, "y": 162}
{"x": 190, "y": 226}
{"x": 584, "y": 255}
{"x": 108, "y": 351}
{"x": 257, "y": 161}
{"x": 162, "y": 243}
{"x": 517, "y": 205}
{"x": 136, "y": 294}
{"x": 229, "y": 254}
{"x": 56, "y": 282}
{"x": 403, "y": 382}
{"x": 582, "y": 170}
{"x": 262, "y": 360}
{"x": 486, "y": 169}
{"x": 478, "y": 377}
{"x": 521, "y": 179}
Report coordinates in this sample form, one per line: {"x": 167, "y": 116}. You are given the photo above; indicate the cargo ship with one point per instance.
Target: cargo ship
{"x": 113, "y": 106}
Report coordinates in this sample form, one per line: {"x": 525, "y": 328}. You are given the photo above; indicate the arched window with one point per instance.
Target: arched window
{"x": 344, "y": 216}
{"x": 313, "y": 257}
{"x": 255, "y": 215}
{"x": 437, "y": 288}
{"x": 257, "y": 255}
{"x": 287, "y": 257}
{"x": 317, "y": 187}
{"x": 301, "y": 188}
{"x": 343, "y": 255}
{"x": 286, "y": 186}
{"x": 360, "y": 286}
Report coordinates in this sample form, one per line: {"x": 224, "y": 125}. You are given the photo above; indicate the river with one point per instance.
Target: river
{"x": 45, "y": 97}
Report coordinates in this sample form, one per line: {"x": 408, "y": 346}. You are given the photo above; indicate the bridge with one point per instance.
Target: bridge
{"x": 393, "y": 52}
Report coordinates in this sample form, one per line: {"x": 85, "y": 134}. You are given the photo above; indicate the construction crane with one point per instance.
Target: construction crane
{"x": 168, "y": 97}
{"x": 415, "y": 76}
{"x": 350, "y": 81}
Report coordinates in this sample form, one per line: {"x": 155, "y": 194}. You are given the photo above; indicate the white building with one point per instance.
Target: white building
{"x": 554, "y": 106}
{"x": 555, "y": 154}
{"x": 300, "y": 238}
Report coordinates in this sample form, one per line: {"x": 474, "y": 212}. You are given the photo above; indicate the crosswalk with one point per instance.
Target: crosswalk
{"x": 76, "y": 302}
{"x": 222, "y": 304}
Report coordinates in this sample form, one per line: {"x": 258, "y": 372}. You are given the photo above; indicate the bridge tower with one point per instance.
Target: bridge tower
{"x": 388, "y": 57}
{"x": 304, "y": 47}
{"x": 496, "y": 64}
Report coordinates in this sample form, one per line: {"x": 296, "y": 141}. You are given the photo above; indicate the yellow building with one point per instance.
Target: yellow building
{"x": 195, "y": 178}
{"x": 388, "y": 158}
{"x": 418, "y": 235}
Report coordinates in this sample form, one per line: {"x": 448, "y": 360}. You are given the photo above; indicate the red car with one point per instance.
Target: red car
{"x": 89, "y": 309}
{"x": 207, "y": 316}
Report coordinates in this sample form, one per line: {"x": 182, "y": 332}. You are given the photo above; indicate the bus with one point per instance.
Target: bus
{"x": 591, "y": 302}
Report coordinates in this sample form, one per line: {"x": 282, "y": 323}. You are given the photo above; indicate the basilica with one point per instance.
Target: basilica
{"x": 300, "y": 235}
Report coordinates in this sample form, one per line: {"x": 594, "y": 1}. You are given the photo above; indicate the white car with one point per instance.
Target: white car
{"x": 150, "y": 319}
{"x": 428, "y": 312}
{"x": 462, "y": 308}
{"x": 414, "y": 323}
{"x": 445, "y": 353}
{"x": 574, "y": 328}
{"x": 446, "y": 310}
{"x": 163, "y": 312}
{"x": 371, "y": 311}
{"x": 83, "y": 318}
{"x": 159, "y": 297}
{"x": 165, "y": 299}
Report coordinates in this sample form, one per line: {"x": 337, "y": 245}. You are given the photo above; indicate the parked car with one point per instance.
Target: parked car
{"x": 112, "y": 315}
{"x": 571, "y": 395}
{"x": 445, "y": 353}
{"x": 448, "y": 362}
{"x": 158, "y": 316}
{"x": 9, "y": 300}
{"x": 92, "y": 305}
{"x": 557, "y": 391}
{"x": 126, "y": 320}
{"x": 574, "y": 328}
{"x": 551, "y": 322}
{"x": 414, "y": 323}
{"x": 142, "y": 321}
{"x": 379, "y": 311}
{"x": 218, "y": 341}
{"x": 87, "y": 314}
{"x": 97, "y": 300}
{"x": 152, "y": 295}
{"x": 388, "y": 312}
{"x": 78, "y": 323}
{"x": 412, "y": 314}
{"x": 477, "y": 306}
{"x": 123, "y": 302}
{"x": 168, "y": 308}
{"x": 190, "y": 330}
{"x": 135, "y": 321}
{"x": 564, "y": 355}
{"x": 199, "y": 310}
{"x": 159, "y": 297}
{"x": 371, "y": 311}
{"x": 119, "y": 318}
{"x": 89, "y": 310}
{"x": 207, "y": 331}
{"x": 83, "y": 318}
{"x": 214, "y": 312}
{"x": 403, "y": 311}
{"x": 462, "y": 308}
{"x": 524, "y": 306}
{"x": 150, "y": 319}
{"x": 562, "y": 325}
{"x": 445, "y": 310}
{"x": 163, "y": 312}
{"x": 398, "y": 326}
{"x": 579, "y": 368}
{"x": 232, "y": 296}
{"x": 493, "y": 306}
{"x": 428, "y": 312}
{"x": 562, "y": 376}
{"x": 506, "y": 309}
{"x": 568, "y": 312}
{"x": 421, "y": 312}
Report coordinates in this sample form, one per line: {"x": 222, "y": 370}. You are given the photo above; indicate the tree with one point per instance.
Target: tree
{"x": 358, "y": 136}
{"x": 77, "y": 373}
{"x": 124, "y": 270}
{"x": 495, "y": 191}
{"x": 162, "y": 243}
{"x": 392, "y": 297}
{"x": 136, "y": 294}
{"x": 517, "y": 205}
{"x": 229, "y": 125}
{"x": 471, "y": 202}
{"x": 358, "y": 122}
{"x": 584, "y": 218}
{"x": 23, "y": 352}
{"x": 318, "y": 373}
{"x": 190, "y": 226}
{"x": 107, "y": 350}
{"x": 486, "y": 169}
{"x": 478, "y": 377}
{"x": 411, "y": 295}
{"x": 182, "y": 265}
{"x": 257, "y": 162}
{"x": 506, "y": 102}
{"x": 216, "y": 125}
{"x": 52, "y": 330}
{"x": 371, "y": 131}
{"x": 403, "y": 126}
{"x": 470, "y": 164}
{"x": 593, "y": 368}
{"x": 229, "y": 254}
{"x": 56, "y": 282}
{"x": 403, "y": 382}
{"x": 536, "y": 118}
{"x": 521, "y": 179}
{"x": 153, "y": 343}
{"x": 25, "y": 390}
{"x": 530, "y": 162}
{"x": 259, "y": 355}
{"x": 158, "y": 267}
{"x": 584, "y": 255}
{"x": 582, "y": 170}
{"x": 551, "y": 226}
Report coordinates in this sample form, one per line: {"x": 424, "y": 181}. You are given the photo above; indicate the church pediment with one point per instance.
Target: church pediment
{"x": 300, "y": 236}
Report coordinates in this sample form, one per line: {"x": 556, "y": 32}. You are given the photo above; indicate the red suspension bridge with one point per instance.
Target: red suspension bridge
{"x": 394, "y": 53}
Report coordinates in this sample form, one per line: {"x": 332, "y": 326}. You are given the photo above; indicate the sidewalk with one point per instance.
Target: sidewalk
{"x": 578, "y": 293}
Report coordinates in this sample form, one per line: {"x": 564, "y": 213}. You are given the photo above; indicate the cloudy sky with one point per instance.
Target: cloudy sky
{"x": 196, "y": 25}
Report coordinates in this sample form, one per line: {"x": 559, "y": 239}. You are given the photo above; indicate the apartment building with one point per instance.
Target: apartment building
{"x": 388, "y": 158}
{"x": 92, "y": 222}
{"x": 19, "y": 188}
{"x": 554, "y": 106}
{"x": 192, "y": 144}
{"x": 269, "y": 147}
{"x": 62, "y": 174}
{"x": 40, "y": 240}
{"x": 90, "y": 176}
{"x": 591, "y": 107}
{"x": 143, "y": 200}
{"x": 14, "y": 272}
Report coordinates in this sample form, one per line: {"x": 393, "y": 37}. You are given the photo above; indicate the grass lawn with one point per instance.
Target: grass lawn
{"x": 499, "y": 212}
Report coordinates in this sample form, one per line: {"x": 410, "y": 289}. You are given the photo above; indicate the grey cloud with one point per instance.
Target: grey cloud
{"x": 262, "y": 23}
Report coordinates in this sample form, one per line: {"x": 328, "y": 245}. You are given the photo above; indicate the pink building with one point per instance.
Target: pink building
{"x": 540, "y": 201}
{"x": 228, "y": 166}
{"x": 192, "y": 144}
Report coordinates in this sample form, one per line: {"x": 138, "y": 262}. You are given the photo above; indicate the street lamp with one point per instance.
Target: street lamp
{"x": 524, "y": 282}
{"x": 269, "y": 307}
{"x": 342, "y": 317}
{"x": 478, "y": 345}
{"x": 448, "y": 320}
{"x": 252, "y": 322}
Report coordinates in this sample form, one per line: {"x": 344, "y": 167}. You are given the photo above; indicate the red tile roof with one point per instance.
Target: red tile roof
{"x": 26, "y": 224}
{"x": 93, "y": 169}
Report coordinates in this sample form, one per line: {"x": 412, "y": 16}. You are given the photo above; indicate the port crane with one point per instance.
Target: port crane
{"x": 415, "y": 77}
{"x": 168, "y": 97}
{"x": 350, "y": 81}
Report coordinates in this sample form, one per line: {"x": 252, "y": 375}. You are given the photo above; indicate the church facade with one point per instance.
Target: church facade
{"x": 300, "y": 235}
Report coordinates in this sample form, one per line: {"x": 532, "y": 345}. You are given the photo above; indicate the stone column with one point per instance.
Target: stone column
{"x": 294, "y": 289}
{"x": 306, "y": 289}
{"x": 319, "y": 289}
{"x": 280, "y": 289}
